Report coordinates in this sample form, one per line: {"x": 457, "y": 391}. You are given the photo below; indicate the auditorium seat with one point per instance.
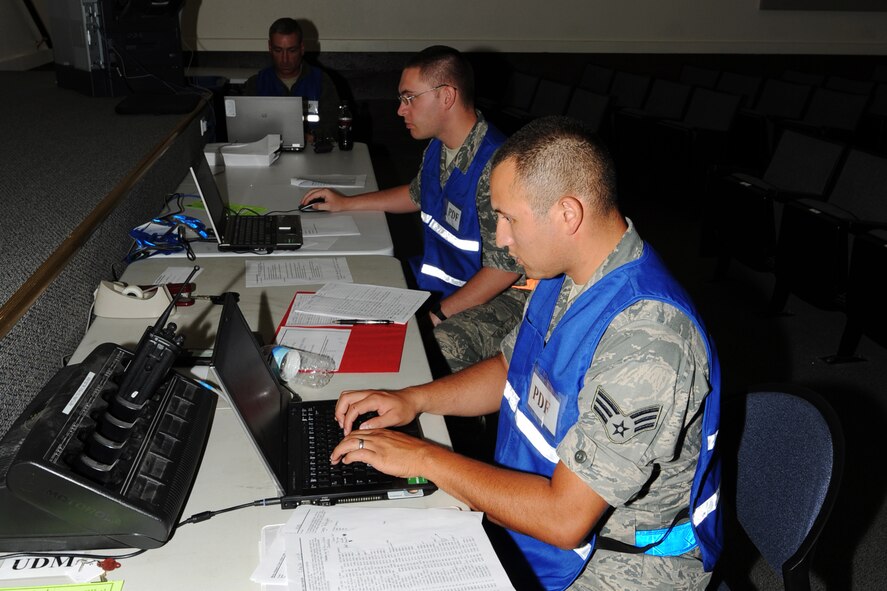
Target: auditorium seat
{"x": 815, "y": 237}
{"x": 756, "y": 129}
{"x": 685, "y": 150}
{"x": 744, "y": 210}
{"x": 596, "y": 78}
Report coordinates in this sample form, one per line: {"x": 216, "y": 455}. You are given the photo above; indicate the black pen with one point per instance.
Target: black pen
{"x": 359, "y": 321}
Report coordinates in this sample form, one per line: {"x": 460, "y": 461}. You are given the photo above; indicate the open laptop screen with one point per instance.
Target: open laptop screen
{"x": 250, "y": 118}
{"x": 209, "y": 194}
{"x": 253, "y": 389}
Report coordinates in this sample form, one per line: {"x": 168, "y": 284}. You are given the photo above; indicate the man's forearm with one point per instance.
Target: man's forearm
{"x": 393, "y": 200}
{"x": 472, "y": 392}
{"x": 560, "y": 510}
{"x": 486, "y": 284}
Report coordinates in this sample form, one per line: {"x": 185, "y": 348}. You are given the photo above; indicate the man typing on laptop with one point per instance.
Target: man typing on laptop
{"x": 469, "y": 276}
{"x": 609, "y": 391}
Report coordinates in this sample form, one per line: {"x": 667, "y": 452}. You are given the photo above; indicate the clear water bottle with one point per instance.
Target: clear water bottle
{"x": 345, "y": 122}
{"x": 303, "y": 368}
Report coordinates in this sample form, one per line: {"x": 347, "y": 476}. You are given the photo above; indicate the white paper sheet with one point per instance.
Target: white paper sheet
{"x": 339, "y": 181}
{"x": 330, "y": 342}
{"x": 377, "y": 549}
{"x": 364, "y": 302}
{"x": 296, "y": 318}
{"x": 297, "y": 271}
{"x": 176, "y": 275}
{"x": 315, "y": 225}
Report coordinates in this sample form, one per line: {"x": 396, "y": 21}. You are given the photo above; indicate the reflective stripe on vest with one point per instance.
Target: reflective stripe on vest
{"x": 466, "y": 245}
{"x": 427, "y": 269}
{"x": 705, "y": 508}
{"x": 680, "y": 540}
{"x": 527, "y": 428}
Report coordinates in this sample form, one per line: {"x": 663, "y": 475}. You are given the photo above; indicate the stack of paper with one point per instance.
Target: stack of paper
{"x": 357, "y": 348}
{"x": 369, "y": 549}
{"x": 259, "y": 153}
{"x": 363, "y": 302}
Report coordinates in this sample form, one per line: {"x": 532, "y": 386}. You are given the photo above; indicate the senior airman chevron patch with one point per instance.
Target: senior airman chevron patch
{"x": 619, "y": 425}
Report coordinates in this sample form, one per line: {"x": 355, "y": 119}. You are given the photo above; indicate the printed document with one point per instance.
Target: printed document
{"x": 328, "y": 225}
{"x": 363, "y": 302}
{"x": 176, "y": 275}
{"x": 378, "y": 549}
{"x": 330, "y": 342}
{"x": 297, "y": 271}
{"x": 338, "y": 181}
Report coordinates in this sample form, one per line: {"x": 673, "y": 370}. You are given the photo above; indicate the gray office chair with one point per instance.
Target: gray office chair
{"x": 787, "y": 474}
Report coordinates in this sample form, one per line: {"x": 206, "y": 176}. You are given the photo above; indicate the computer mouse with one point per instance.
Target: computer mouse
{"x": 310, "y": 205}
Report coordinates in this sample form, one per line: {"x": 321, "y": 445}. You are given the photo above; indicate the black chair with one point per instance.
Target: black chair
{"x": 744, "y": 210}
{"x": 628, "y": 90}
{"x": 632, "y": 129}
{"x": 514, "y": 106}
{"x": 815, "y": 237}
{"x": 697, "y": 76}
{"x": 551, "y": 98}
{"x": 593, "y": 110}
{"x": 832, "y": 114}
{"x": 785, "y": 476}
{"x": 742, "y": 85}
{"x": 596, "y": 79}
{"x": 807, "y": 78}
{"x": 866, "y": 285}
{"x": 873, "y": 129}
{"x": 684, "y": 151}
{"x": 756, "y": 129}
{"x": 841, "y": 84}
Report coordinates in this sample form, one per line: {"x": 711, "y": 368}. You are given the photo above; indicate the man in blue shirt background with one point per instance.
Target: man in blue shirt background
{"x": 291, "y": 75}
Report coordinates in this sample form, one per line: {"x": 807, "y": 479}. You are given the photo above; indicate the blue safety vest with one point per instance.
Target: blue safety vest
{"x": 452, "y": 237}
{"x": 526, "y": 445}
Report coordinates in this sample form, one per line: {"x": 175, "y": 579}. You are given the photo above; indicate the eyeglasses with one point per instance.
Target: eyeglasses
{"x": 407, "y": 99}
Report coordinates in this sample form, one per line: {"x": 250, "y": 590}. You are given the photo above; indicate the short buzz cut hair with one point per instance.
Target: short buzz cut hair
{"x": 556, "y": 156}
{"x": 285, "y": 26}
{"x": 440, "y": 64}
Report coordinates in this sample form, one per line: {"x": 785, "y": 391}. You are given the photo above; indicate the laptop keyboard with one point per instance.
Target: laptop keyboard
{"x": 320, "y": 434}
{"x": 252, "y": 230}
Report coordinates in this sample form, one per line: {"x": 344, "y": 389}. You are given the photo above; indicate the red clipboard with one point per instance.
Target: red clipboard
{"x": 371, "y": 348}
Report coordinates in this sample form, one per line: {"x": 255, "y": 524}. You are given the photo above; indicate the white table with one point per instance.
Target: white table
{"x": 220, "y": 554}
{"x": 270, "y": 187}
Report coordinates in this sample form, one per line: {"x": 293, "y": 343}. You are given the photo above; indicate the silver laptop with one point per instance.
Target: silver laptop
{"x": 250, "y": 118}
{"x": 244, "y": 233}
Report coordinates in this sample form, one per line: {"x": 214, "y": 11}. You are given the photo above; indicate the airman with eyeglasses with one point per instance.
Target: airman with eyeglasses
{"x": 472, "y": 306}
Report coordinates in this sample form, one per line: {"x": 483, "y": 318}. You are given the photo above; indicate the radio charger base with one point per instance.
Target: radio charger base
{"x": 114, "y": 299}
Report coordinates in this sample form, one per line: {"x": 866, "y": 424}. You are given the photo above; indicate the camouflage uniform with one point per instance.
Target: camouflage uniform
{"x": 651, "y": 358}
{"x": 474, "y": 334}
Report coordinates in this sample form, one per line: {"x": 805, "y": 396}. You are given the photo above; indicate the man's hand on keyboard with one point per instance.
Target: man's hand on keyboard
{"x": 391, "y": 452}
{"x": 393, "y": 408}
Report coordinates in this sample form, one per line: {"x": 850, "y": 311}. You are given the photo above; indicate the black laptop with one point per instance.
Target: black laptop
{"x": 244, "y": 232}
{"x": 295, "y": 438}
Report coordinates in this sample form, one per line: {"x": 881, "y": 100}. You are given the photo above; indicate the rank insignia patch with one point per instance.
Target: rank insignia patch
{"x": 619, "y": 426}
